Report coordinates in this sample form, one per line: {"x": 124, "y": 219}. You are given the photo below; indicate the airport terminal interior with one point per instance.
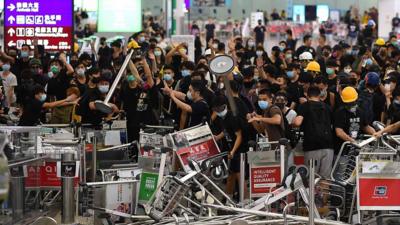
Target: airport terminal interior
{"x": 199, "y": 112}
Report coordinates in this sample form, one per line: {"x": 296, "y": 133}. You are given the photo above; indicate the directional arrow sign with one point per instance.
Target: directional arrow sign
{"x": 11, "y": 7}
{"x": 11, "y": 32}
{"x": 11, "y": 44}
{"x": 11, "y": 19}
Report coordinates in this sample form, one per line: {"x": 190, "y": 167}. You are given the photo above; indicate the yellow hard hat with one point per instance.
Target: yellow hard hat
{"x": 349, "y": 94}
{"x": 313, "y": 66}
{"x": 133, "y": 44}
{"x": 380, "y": 42}
{"x": 76, "y": 47}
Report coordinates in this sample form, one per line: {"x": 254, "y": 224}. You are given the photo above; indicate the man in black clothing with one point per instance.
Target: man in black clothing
{"x": 60, "y": 78}
{"x": 210, "y": 30}
{"x": 259, "y": 32}
{"x": 307, "y": 39}
{"x": 139, "y": 100}
{"x": 314, "y": 117}
{"x": 96, "y": 117}
{"x": 32, "y": 110}
{"x": 105, "y": 54}
{"x": 349, "y": 123}
{"x": 235, "y": 131}
{"x": 198, "y": 107}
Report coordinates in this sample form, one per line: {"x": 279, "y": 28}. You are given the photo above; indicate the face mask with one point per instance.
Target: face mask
{"x": 354, "y": 52}
{"x": 282, "y": 48}
{"x": 368, "y": 62}
{"x": 326, "y": 54}
{"x": 142, "y": 39}
{"x": 259, "y": 53}
{"x": 290, "y": 74}
{"x": 223, "y": 113}
{"x": 221, "y": 86}
{"x": 347, "y": 70}
{"x": 6, "y": 67}
{"x": 167, "y": 77}
{"x": 189, "y": 95}
{"x": 54, "y": 69}
{"x": 330, "y": 71}
{"x": 387, "y": 87}
{"x": 348, "y": 51}
{"x": 251, "y": 44}
{"x": 157, "y": 53}
{"x": 263, "y": 105}
{"x": 80, "y": 72}
{"x": 50, "y": 74}
{"x": 185, "y": 73}
{"x": 158, "y": 39}
{"x": 256, "y": 77}
{"x": 43, "y": 97}
{"x": 215, "y": 46}
{"x": 281, "y": 105}
{"x": 351, "y": 108}
{"x": 24, "y": 54}
{"x": 103, "y": 88}
{"x": 323, "y": 94}
{"x": 130, "y": 78}
{"x": 288, "y": 56}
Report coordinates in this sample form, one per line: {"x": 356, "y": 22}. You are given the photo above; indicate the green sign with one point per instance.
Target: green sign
{"x": 148, "y": 185}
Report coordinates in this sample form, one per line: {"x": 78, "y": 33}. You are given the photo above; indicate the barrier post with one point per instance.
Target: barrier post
{"x": 67, "y": 188}
{"x": 17, "y": 188}
{"x": 311, "y": 193}
{"x": 242, "y": 173}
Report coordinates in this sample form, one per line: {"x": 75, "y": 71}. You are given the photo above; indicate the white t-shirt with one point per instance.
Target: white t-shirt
{"x": 9, "y": 81}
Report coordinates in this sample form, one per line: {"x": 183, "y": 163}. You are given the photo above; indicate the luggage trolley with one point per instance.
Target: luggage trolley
{"x": 378, "y": 179}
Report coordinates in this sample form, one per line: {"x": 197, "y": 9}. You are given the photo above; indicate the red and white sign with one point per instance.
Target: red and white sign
{"x": 198, "y": 152}
{"x": 195, "y": 144}
{"x": 263, "y": 178}
{"x": 379, "y": 193}
{"x": 44, "y": 176}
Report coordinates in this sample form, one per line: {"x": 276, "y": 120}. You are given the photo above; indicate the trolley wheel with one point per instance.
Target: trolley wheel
{"x": 155, "y": 215}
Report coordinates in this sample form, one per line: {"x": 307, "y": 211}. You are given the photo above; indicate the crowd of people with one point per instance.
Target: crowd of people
{"x": 331, "y": 93}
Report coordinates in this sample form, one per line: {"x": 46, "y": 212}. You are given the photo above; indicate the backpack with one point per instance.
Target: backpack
{"x": 365, "y": 102}
{"x": 320, "y": 123}
{"x": 290, "y": 133}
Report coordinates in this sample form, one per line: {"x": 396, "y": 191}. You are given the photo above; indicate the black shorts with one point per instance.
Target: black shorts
{"x": 234, "y": 164}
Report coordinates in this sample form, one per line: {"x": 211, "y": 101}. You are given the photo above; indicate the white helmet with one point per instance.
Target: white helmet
{"x": 306, "y": 56}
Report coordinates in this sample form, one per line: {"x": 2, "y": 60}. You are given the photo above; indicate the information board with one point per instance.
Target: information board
{"x": 49, "y": 22}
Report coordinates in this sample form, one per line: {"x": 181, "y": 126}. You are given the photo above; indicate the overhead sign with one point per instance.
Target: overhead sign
{"x": 119, "y": 16}
{"x": 47, "y": 21}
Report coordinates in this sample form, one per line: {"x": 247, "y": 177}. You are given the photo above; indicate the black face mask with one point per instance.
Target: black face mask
{"x": 95, "y": 80}
{"x": 281, "y": 105}
{"x": 248, "y": 84}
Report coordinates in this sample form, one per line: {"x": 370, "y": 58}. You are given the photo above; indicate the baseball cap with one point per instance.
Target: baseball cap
{"x": 372, "y": 78}
{"x": 305, "y": 56}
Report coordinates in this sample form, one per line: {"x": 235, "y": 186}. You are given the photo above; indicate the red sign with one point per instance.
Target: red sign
{"x": 198, "y": 152}
{"x": 263, "y": 178}
{"x": 379, "y": 192}
{"x": 44, "y": 176}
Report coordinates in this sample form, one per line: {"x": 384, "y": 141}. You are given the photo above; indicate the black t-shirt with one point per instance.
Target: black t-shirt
{"x": 105, "y": 58}
{"x": 57, "y": 86}
{"x": 294, "y": 91}
{"x": 200, "y": 110}
{"x": 396, "y": 21}
{"x": 305, "y": 110}
{"x": 139, "y": 104}
{"x": 210, "y": 30}
{"x": 394, "y": 113}
{"x": 351, "y": 123}
{"x": 31, "y": 113}
{"x": 260, "y": 33}
{"x": 231, "y": 125}
{"x": 94, "y": 117}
